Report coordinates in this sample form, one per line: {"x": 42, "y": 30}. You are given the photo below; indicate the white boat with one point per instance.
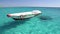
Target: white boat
{"x": 24, "y": 15}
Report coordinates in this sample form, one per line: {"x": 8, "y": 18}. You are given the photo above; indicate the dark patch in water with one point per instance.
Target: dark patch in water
{"x": 12, "y": 24}
{"x": 45, "y": 18}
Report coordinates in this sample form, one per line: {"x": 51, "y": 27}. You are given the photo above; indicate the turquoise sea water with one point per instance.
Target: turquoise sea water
{"x": 35, "y": 25}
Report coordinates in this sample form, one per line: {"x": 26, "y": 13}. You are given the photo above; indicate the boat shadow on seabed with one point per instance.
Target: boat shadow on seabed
{"x": 11, "y": 25}
{"x": 45, "y": 18}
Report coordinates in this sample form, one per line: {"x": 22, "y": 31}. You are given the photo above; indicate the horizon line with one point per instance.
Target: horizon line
{"x": 28, "y": 6}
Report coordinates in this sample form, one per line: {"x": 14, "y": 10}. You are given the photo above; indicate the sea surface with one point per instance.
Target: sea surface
{"x": 46, "y": 23}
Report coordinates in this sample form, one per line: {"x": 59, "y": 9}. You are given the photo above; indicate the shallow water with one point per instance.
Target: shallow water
{"x": 33, "y": 25}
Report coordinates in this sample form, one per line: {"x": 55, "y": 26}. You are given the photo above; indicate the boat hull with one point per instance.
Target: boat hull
{"x": 25, "y": 17}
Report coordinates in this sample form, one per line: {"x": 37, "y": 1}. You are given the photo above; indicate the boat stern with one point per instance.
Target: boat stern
{"x": 36, "y": 12}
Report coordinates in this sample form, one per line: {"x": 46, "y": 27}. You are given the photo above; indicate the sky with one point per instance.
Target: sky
{"x": 29, "y": 3}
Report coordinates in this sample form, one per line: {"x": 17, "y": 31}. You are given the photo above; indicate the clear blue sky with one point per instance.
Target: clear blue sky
{"x": 31, "y": 3}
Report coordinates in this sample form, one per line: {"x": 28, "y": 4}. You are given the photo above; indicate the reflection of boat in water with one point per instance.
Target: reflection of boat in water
{"x": 24, "y": 15}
